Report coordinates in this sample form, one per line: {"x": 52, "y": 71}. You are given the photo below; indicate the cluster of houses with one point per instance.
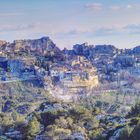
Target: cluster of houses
{"x": 76, "y": 73}
{"x": 14, "y": 68}
{"x": 83, "y": 66}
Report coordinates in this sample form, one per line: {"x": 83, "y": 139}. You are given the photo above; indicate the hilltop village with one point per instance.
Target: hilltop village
{"x": 85, "y": 66}
{"x": 41, "y": 60}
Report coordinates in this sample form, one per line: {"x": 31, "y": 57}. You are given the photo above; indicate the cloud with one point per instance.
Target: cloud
{"x": 87, "y": 32}
{"x": 100, "y": 6}
{"x": 102, "y": 31}
{"x": 10, "y": 14}
{"x": 132, "y": 6}
{"x": 18, "y": 27}
{"x": 115, "y": 30}
{"x": 75, "y": 31}
{"x": 115, "y": 8}
{"x": 129, "y": 6}
{"x": 133, "y": 28}
{"x": 94, "y": 6}
{"x": 105, "y": 31}
{"x": 125, "y": 7}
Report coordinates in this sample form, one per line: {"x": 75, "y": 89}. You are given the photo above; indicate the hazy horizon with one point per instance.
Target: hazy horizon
{"x": 71, "y": 22}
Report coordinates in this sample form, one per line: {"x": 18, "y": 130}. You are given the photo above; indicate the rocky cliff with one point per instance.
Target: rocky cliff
{"x": 2, "y": 43}
{"x": 40, "y": 46}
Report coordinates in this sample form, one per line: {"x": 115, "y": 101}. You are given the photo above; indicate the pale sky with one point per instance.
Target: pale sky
{"x": 68, "y": 22}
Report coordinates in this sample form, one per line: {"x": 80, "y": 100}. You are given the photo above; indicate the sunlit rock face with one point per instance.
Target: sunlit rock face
{"x": 2, "y": 43}
{"x": 42, "y": 46}
{"x": 39, "y": 46}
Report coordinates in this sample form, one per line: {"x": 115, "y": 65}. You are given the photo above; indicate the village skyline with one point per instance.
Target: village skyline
{"x": 70, "y": 22}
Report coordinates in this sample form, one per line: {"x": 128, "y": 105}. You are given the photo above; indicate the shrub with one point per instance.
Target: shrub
{"x": 135, "y": 110}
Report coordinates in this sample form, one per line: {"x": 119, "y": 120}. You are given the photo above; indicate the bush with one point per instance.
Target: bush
{"x": 125, "y": 134}
{"x": 33, "y": 127}
{"x": 135, "y": 135}
{"x": 135, "y": 110}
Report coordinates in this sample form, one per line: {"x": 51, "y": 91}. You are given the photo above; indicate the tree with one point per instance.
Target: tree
{"x": 135, "y": 135}
{"x": 125, "y": 134}
{"x": 33, "y": 127}
{"x": 135, "y": 110}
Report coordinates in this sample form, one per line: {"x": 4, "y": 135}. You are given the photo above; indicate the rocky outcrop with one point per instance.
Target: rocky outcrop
{"x": 2, "y": 43}
{"x": 40, "y": 46}
{"x": 90, "y": 50}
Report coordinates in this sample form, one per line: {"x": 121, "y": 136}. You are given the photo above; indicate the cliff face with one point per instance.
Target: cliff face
{"x": 2, "y": 43}
{"x": 40, "y": 46}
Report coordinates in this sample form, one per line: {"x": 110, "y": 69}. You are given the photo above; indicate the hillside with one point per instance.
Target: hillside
{"x": 85, "y": 93}
{"x": 54, "y": 119}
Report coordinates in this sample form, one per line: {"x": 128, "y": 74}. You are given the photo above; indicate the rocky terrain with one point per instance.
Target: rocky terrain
{"x": 58, "y": 120}
{"x": 43, "y": 46}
